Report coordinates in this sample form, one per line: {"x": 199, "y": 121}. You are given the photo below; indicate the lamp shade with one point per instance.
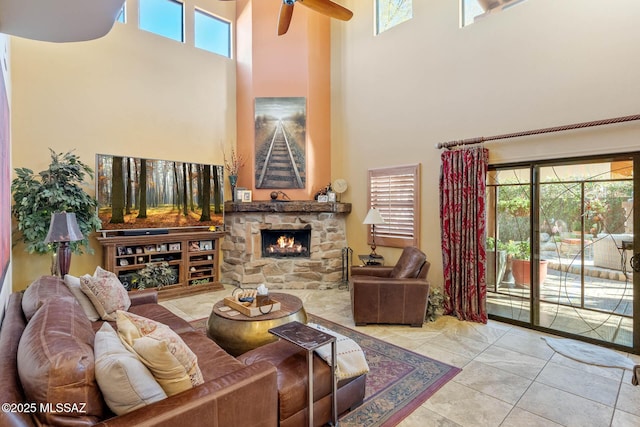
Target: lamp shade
{"x": 373, "y": 217}
{"x": 63, "y": 228}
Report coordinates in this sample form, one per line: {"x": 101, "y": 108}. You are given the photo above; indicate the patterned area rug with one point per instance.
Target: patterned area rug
{"x": 399, "y": 380}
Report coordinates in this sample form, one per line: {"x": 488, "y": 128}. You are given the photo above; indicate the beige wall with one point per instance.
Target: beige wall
{"x": 131, "y": 93}
{"x": 541, "y": 63}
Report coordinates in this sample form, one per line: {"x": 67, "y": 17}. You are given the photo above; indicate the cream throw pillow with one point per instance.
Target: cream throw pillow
{"x": 73, "y": 283}
{"x": 105, "y": 292}
{"x": 169, "y": 359}
{"x": 125, "y": 382}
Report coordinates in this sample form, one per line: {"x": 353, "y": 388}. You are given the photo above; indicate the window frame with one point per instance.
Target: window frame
{"x": 387, "y": 202}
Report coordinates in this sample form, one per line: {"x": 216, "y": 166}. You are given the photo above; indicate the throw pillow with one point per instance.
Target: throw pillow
{"x": 125, "y": 382}
{"x": 73, "y": 283}
{"x": 105, "y": 292}
{"x": 169, "y": 359}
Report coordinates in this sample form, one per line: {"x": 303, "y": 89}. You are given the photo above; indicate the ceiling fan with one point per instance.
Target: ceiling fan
{"x": 325, "y": 7}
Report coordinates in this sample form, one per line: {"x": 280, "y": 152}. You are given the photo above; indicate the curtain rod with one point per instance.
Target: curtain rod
{"x": 481, "y": 139}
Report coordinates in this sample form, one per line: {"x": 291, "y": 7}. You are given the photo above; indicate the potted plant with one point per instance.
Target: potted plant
{"x": 435, "y": 304}
{"x": 521, "y": 265}
{"x": 496, "y": 261}
{"x": 56, "y": 189}
{"x": 155, "y": 275}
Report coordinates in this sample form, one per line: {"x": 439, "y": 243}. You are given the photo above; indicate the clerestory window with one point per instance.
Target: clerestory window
{"x": 162, "y": 17}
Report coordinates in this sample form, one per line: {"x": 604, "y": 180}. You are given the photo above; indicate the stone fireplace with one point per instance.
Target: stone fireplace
{"x": 308, "y": 255}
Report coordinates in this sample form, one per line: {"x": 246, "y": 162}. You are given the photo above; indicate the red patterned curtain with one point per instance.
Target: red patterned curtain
{"x": 463, "y": 221}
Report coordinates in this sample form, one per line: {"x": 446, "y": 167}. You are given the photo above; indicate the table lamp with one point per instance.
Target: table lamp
{"x": 62, "y": 230}
{"x": 373, "y": 218}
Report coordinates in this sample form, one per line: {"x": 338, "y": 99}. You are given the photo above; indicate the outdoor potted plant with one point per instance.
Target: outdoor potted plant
{"x": 495, "y": 271}
{"x": 518, "y": 206}
{"x": 521, "y": 265}
{"x": 56, "y": 189}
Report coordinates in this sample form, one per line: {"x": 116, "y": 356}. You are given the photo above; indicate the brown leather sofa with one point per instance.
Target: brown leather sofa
{"x": 233, "y": 394}
{"x": 398, "y": 294}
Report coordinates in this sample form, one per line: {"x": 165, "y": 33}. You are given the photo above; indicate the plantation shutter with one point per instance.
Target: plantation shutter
{"x": 395, "y": 193}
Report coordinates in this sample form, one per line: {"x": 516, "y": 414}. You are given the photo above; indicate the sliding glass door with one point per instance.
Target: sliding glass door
{"x": 559, "y": 244}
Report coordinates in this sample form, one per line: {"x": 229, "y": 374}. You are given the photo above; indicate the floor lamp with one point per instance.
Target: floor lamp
{"x": 62, "y": 230}
{"x": 373, "y": 218}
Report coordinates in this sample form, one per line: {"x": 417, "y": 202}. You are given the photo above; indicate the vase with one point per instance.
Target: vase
{"x": 233, "y": 180}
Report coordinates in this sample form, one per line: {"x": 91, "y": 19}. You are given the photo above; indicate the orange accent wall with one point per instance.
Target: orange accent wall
{"x": 296, "y": 64}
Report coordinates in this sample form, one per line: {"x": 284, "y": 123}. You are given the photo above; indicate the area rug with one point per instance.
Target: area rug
{"x": 399, "y": 380}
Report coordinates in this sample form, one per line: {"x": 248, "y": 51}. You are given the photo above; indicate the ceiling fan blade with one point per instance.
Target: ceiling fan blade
{"x": 329, "y": 8}
{"x": 286, "y": 11}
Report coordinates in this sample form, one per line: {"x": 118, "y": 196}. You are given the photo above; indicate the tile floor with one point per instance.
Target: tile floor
{"x": 510, "y": 376}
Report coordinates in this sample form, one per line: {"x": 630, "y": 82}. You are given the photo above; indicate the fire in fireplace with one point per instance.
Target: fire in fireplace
{"x": 285, "y": 243}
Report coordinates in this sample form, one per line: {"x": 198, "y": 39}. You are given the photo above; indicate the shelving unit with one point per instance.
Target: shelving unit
{"x": 194, "y": 255}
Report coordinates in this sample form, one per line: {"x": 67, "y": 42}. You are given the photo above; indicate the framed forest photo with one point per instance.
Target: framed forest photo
{"x": 280, "y": 135}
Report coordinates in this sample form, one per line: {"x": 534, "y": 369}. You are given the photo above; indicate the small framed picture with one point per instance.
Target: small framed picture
{"x": 239, "y": 192}
{"x": 174, "y": 246}
{"x": 162, "y": 247}
{"x": 323, "y": 198}
{"x": 205, "y": 245}
{"x": 121, "y": 250}
{"x": 332, "y": 196}
{"x": 129, "y": 251}
{"x": 246, "y": 196}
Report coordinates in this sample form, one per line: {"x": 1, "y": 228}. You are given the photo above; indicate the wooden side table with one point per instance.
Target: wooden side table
{"x": 311, "y": 339}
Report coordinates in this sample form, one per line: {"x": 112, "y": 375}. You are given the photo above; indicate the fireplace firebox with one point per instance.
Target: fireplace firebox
{"x": 286, "y": 243}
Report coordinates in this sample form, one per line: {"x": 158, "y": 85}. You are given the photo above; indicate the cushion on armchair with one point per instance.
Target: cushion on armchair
{"x": 410, "y": 263}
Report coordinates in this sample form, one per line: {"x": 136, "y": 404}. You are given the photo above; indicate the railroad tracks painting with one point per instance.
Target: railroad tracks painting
{"x": 280, "y": 129}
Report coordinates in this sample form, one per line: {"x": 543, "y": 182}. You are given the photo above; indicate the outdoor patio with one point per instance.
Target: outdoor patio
{"x": 602, "y": 309}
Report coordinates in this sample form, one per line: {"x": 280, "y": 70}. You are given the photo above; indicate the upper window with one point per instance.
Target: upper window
{"x": 473, "y": 10}
{"x": 390, "y": 13}
{"x": 163, "y": 17}
{"x": 212, "y": 34}
{"x": 395, "y": 192}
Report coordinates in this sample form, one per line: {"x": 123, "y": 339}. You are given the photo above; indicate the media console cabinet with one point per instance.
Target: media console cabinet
{"x": 193, "y": 254}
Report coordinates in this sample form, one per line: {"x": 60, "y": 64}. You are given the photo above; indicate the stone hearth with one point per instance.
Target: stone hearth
{"x": 242, "y": 260}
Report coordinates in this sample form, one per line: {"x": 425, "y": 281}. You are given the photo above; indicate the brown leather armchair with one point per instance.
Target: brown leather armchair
{"x": 396, "y": 294}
